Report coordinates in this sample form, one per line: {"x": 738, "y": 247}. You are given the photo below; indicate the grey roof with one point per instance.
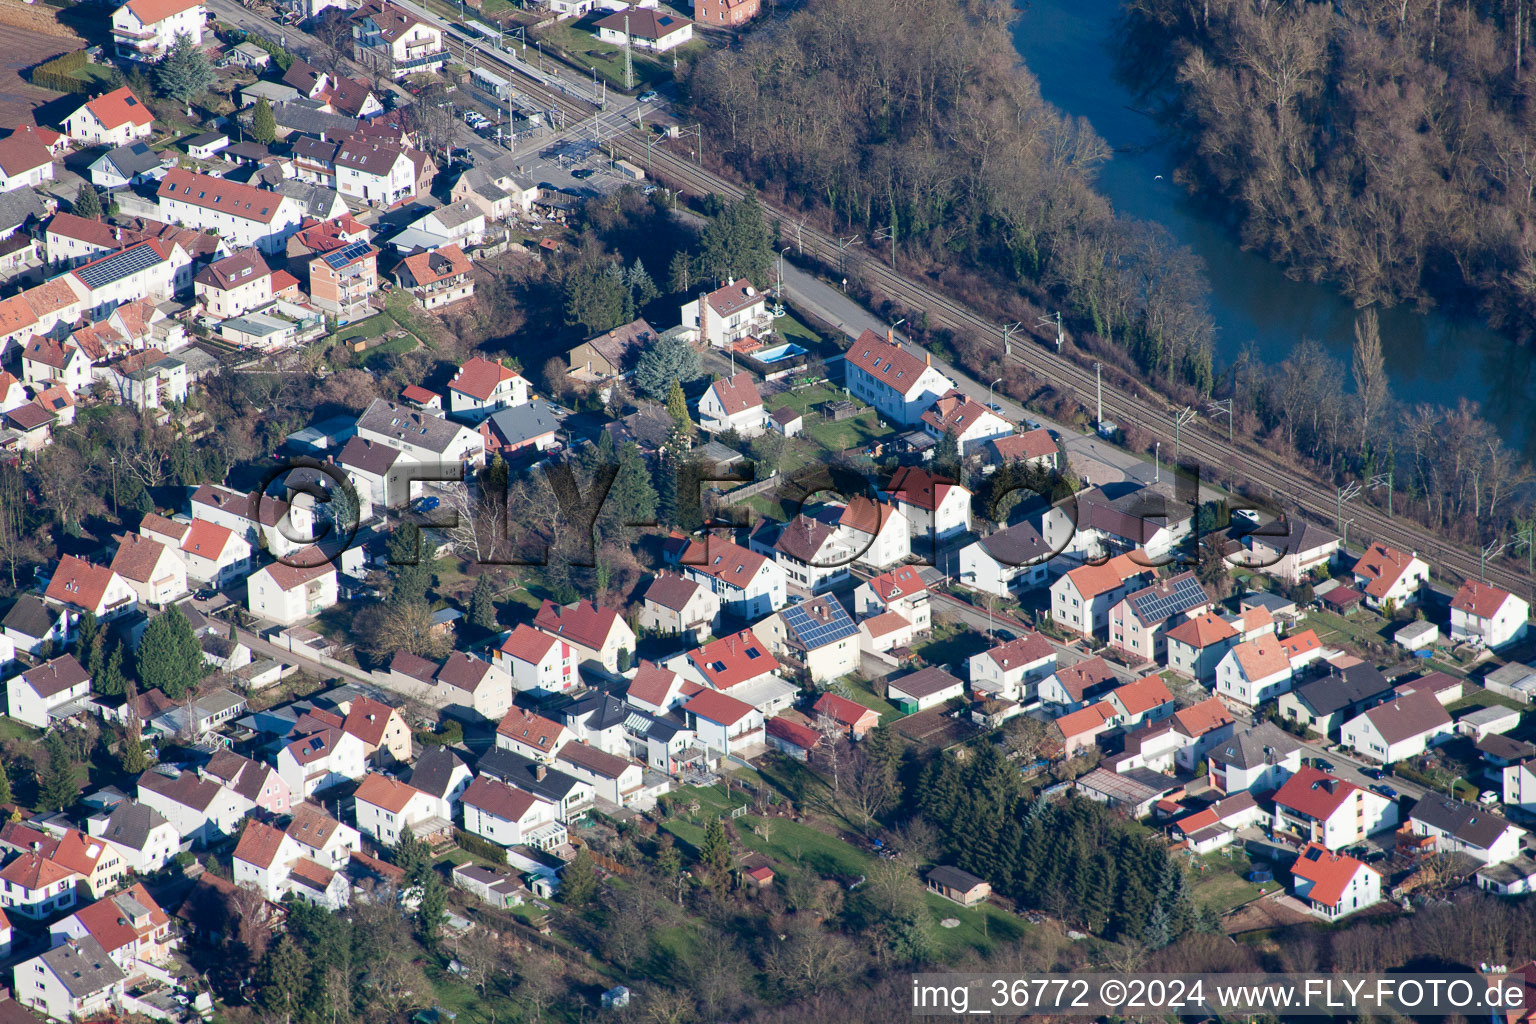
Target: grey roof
{"x": 1135, "y": 516}
{"x": 479, "y": 181}
{"x": 522, "y": 423}
{"x": 648, "y": 726}
{"x": 718, "y": 454}
{"x": 1265, "y": 743}
{"x": 16, "y": 206}
{"x": 605, "y": 710}
{"x": 1509, "y": 675}
{"x": 1300, "y": 536}
{"x": 522, "y": 772}
{"x": 132, "y": 159}
{"x": 1273, "y": 603}
{"x": 1476, "y": 826}
{"x": 404, "y": 423}
{"x": 300, "y": 115}
{"x": 453, "y": 215}
{"x": 1343, "y": 688}
{"x": 130, "y": 824}
{"x": 1488, "y": 715}
{"x": 924, "y": 682}
{"x": 433, "y": 772}
{"x": 648, "y": 426}
{"x": 1408, "y": 715}
{"x": 1020, "y": 544}
{"x": 29, "y": 616}
{"x": 954, "y": 878}
{"x": 83, "y": 967}
{"x": 1505, "y": 748}
{"x": 273, "y": 92}
{"x": 318, "y": 200}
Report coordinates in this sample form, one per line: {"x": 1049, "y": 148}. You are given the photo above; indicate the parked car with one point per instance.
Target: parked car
{"x": 206, "y": 594}
{"x": 1385, "y": 790}
{"x": 1488, "y": 797}
{"x": 1373, "y": 773}
{"x": 1323, "y": 766}
{"x": 649, "y": 96}
{"x": 583, "y": 173}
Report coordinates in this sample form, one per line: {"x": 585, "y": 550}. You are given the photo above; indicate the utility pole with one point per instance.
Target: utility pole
{"x": 1492, "y": 549}
{"x": 843, "y": 245}
{"x": 1384, "y": 480}
{"x": 1179, "y": 419}
{"x": 1098, "y": 376}
{"x": 114, "y": 485}
{"x": 1526, "y": 538}
{"x": 1009, "y": 330}
{"x": 693, "y": 131}
{"x": 798, "y": 226}
{"x": 888, "y": 234}
{"x": 629, "y": 57}
{"x": 778, "y": 289}
{"x": 1342, "y": 496}
{"x": 1223, "y": 406}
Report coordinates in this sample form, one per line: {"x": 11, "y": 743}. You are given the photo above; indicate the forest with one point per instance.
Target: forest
{"x": 1385, "y": 147}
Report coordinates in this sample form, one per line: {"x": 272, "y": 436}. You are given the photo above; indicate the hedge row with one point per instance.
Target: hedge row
{"x": 62, "y": 74}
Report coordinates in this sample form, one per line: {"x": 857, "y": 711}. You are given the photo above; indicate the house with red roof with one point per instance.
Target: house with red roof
{"x": 900, "y": 385}
{"x": 658, "y": 690}
{"x": 877, "y": 535}
{"x": 322, "y": 757}
{"x": 791, "y": 737}
{"x": 901, "y": 590}
{"x": 737, "y": 662}
{"x": 155, "y": 571}
{"x": 242, "y": 215}
{"x": 935, "y": 507}
{"x": 1081, "y": 599}
{"x": 724, "y": 725}
{"x": 36, "y": 887}
{"x": 1197, "y": 645}
{"x": 213, "y": 554}
{"x": 852, "y": 719}
{"x": 386, "y": 807}
{"x": 1033, "y": 448}
{"x": 1333, "y": 885}
{"x": 385, "y": 735}
{"x": 112, "y": 119}
{"x": 674, "y": 605}
{"x": 600, "y": 637}
{"x": 145, "y": 30}
{"x": 1319, "y": 808}
{"x": 286, "y": 594}
{"x": 1010, "y": 671}
{"x": 1072, "y": 686}
{"x": 1144, "y": 700}
{"x": 482, "y": 386}
{"x": 732, "y": 403}
{"x": 1201, "y": 727}
{"x": 1079, "y": 730}
{"x": 130, "y": 926}
{"x": 749, "y": 584}
{"x": 437, "y": 278}
{"x": 1216, "y": 825}
{"x": 1386, "y": 574}
{"x": 510, "y": 816}
{"x": 973, "y": 424}
{"x": 1485, "y": 615}
{"x": 537, "y": 661}
{"x": 729, "y": 313}
{"x": 24, "y": 161}
{"x": 262, "y": 857}
{"x": 532, "y": 735}
{"x": 1254, "y": 671}
{"x": 45, "y": 359}
{"x": 82, "y": 586}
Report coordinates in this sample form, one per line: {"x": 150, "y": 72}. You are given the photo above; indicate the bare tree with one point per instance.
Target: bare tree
{"x": 1370, "y": 374}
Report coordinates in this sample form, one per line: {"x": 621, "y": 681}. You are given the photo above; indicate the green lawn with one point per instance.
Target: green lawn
{"x": 1482, "y": 699}
{"x": 372, "y": 327}
{"x": 1220, "y": 880}
{"x": 854, "y": 432}
{"x": 394, "y": 346}
{"x": 860, "y": 690}
{"x": 794, "y": 845}
{"x": 10, "y": 729}
{"x": 1360, "y": 627}
{"x": 980, "y": 927}
{"x": 584, "y": 51}
{"x": 952, "y": 645}
{"x": 790, "y": 329}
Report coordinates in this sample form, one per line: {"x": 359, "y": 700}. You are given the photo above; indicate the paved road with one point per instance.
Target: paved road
{"x": 1349, "y": 768}
{"x": 981, "y": 622}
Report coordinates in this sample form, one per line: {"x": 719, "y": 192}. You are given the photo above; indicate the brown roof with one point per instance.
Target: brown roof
{"x": 55, "y": 676}
{"x": 1408, "y": 715}
{"x": 622, "y": 344}
{"x": 137, "y": 557}
{"x": 369, "y": 456}
{"x": 802, "y": 538}
{"x": 737, "y": 394}
{"x": 527, "y": 727}
{"x": 499, "y": 799}
{"x": 1032, "y": 444}
{"x": 185, "y": 789}
{"x": 671, "y": 591}
{"x": 584, "y": 755}
{"x": 413, "y": 665}
{"x": 478, "y": 378}
{"x": 259, "y": 843}
{"x": 382, "y": 791}
{"x": 1479, "y": 599}
{"x": 916, "y": 486}
{"x": 924, "y": 682}
{"x": 464, "y": 671}
{"x": 429, "y": 267}
{"x": 367, "y": 720}
{"x": 528, "y": 644}
{"x": 1023, "y": 650}
{"x": 311, "y": 826}
{"x": 957, "y": 411}
{"x": 288, "y": 577}
{"x": 227, "y": 197}
{"x": 21, "y": 152}
{"x": 1084, "y": 676}
{"x": 651, "y": 684}
{"x": 393, "y": 22}
{"x": 233, "y": 271}
{"x": 739, "y": 294}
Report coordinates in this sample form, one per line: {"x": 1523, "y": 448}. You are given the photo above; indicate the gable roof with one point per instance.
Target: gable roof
{"x": 383, "y": 791}
{"x": 1382, "y": 566}
{"x": 534, "y": 730}
{"x": 723, "y": 560}
{"x": 499, "y": 799}
{"x": 434, "y": 771}
{"x": 1330, "y": 873}
{"x": 1081, "y": 677}
{"x": 528, "y": 644}
{"x": 406, "y": 424}
{"x": 1471, "y": 824}
{"x": 29, "y": 616}
{"x": 889, "y": 364}
{"x": 913, "y": 485}
{"x": 1025, "y": 649}
{"x": 1316, "y": 793}
{"x": 1143, "y": 694}
{"x": 464, "y": 671}
{"x": 119, "y": 107}
{"x": 1343, "y": 687}
{"x": 1261, "y": 657}
{"x": 427, "y": 268}
{"x": 671, "y": 591}
{"x": 1203, "y": 717}
{"x": 718, "y": 707}
{"x": 259, "y": 844}
{"x": 845, "y": 712}
{"x": 1255, "y": 747}
{"x": 314, "y": 565}
{"x": 137, "y": 557}
{"x": 220, "y": 195}
{"x": 1092, "y": 580}
{"x": 732, "y": 659}
{"x": 21, "y": 152}
{"x": 1032, "y": 444}
{"x": 897, "y": 583}
{"x": 130, "y": 824}
{"x": 242, "y": 268}
{"x": 1085, "y": 720}
{"x": 1478, "y": 599}
{"x": 368, "y": 720}
{"x": 736, "y": 394}
{"x": 1017, "y": 545}
{"x": 520, "y": 424}
{"x": 479, "y": 378}
{"x": 56, "y": 676}
{"x": 817, "y": 623}
{"x": 1174, "y": 595}
{"x": 1408, "y": 715}
{"x": 802, "y": 736}
{"x": 925, "y": 682}
{"x": 583, "y": 623}
{"x": 151, "y": 11}
{"x": 957, "y": 411}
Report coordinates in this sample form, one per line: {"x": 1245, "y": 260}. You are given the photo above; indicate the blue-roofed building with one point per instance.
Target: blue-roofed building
{"x": 151, "y": 269}
{"x": 819, "y": 634}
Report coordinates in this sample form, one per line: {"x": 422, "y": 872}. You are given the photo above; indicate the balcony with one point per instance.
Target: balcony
{"x": 123, "y": 33}
{"x": 422, "y": 61}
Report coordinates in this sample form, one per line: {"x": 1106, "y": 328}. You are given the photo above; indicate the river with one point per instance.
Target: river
{"x": 1068, "y": 45}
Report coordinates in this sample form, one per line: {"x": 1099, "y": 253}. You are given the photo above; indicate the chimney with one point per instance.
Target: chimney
{"x": 704, "y": 317}
{"x": 890, "y": 335}
{"x": 927, "y": 358}
{"x": 539, "y": 772}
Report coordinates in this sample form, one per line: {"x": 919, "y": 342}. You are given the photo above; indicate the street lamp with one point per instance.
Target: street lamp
{"x": 989, "y": 391}
{"x": 1157, "y": 454}
{"x": 781, "y": 271}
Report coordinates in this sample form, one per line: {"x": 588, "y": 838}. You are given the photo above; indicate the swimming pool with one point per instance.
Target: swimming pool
{"x": 778, "y": 352}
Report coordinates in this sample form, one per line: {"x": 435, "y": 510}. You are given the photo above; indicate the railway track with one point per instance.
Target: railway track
{"x": 1243, "y": 460}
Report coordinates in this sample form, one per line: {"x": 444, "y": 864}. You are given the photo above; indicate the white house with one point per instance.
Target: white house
{"x": 374, "y": 171}
{"x": 394, "y": 41}
{"x": 141, "y": 835}
{"x": 732, "y": 403}
{"x": 729, "y": 313}
{"x": 1288, "y": 549}
{"x": 322, "y": 838}
{"x": 481, "y": 387}
{"x": 146, "y": 29}
{"x": 386, "y": 807}
{"x": 241, "y": 215}
{"x": 130, "y": 926}
{"x": 24, "y": 161}
{"x": 936, "y": 508}
{"x": 111, "y": 120}
{"x": 321, "y": 759}
{"x": 1197, "y": 645}
{"x": 287, "y": 594}
{"x": 1402, "y": 727}
{"x": 511, "y": 817}
{"x": 71, "y": 981}
{"x": 533, "y": 736}
{"x": 50, "y": 689}
{"x": 599, "y": 636}
{"x": 809, "y": 549}
{"x": 897, "y": 383}
{"x": 1007, "y": 562}
{"x": 1334, "y": 884}
{"x": 537, "y": 661}
{"x": 201, "y": 810}
{"x": 1386, "y": 574}
{"x": 154, "y": 571}
{"x": 82, "y": 586}
{"x": 1011, "y": 670}
{"x": 472, "y": 683}
{"x": 645, "y": 28}
{"x": 424, "y": 438}
{"x": 749, "y": 584}
{"x": 1458, "y": 827}
{"x": 874, "y": 532}
{"x": 262, "y": 859}
{"x": 1484, "y": 614}
{"x": 923, "y": 689}
{"x": 1082, "y": 598}
{"x": 972, "y": 423}
{"x": 1257, "y": 760}
{"x": 1317, "y": 807}
{"x": 902, "y": 591}
{"x": 443, "y": 776}
{"x": 1253, "y": 672}
{"x": 723, "y": 724}
{"x": 618, "y": 780}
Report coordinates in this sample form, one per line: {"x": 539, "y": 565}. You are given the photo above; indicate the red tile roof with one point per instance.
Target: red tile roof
{"x": 367, "y": 720}
{"x": 137, "y": 557}
{"x": 583, "y": 623}
{"x": 719, "y": 708}
{"x": 108, "y": 923}
{"x": 1144, "y": 694}
{"x": 440, "y": 264}
{"x": 1093, "y": 580}
{"x": 1315, "y": 793}
{"x": 259, "y": 843}
{"x": 802, "y": 736}
{"x": 419, "y": 394}
{"x": 119, "y": 107}
{"x": 499, "y": 799}
{"x": 916, "y": 486}
{"x": 955, "y": 411}
{"x": 1301, "y": 643}
{"x": 1032, "y": 444}
{"x": 1329, "y": 873}
{"x": 897, "y": 583}
{"x": 78, "y": 582}
{"x": 1261, "y": 657}
{"x": 1382, "y": 567}
{"x": 33, "y": 872}
{"x": 847, "y": 713}
{"x": 887, "y": 363}
{"x": 1202, "y": 631}
{"x": 1023, "y": 650}
{"x": 737, "y": 394}
{"x": 150, "y": 11}
{"x": 382, "y": 791}
{"x": 652, "y": 684}
{"x": 478, "y": 378}
{"x": 529, "y": 645}
{"x": 534, "y": 730}
{"x": 866, "y": 515}
{"x": 1479, "y": 599}
{"x": 733, "y": 659}
{"x": 206, "y": 540}
{"x": 1199, "y": 719}
{"x": 723, "y": 560}
{"x": 226, "y": 197}
{"x": 1085, "y": 720}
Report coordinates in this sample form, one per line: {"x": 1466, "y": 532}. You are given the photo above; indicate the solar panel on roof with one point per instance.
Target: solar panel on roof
{"x": 1186, "y": 594}
{"x": 342, "y": 257}
{"x": 118, "y": 266}
{"x": 814, "y": 631}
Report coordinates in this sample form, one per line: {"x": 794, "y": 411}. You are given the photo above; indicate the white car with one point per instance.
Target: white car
{"x": 1488, "y": 797}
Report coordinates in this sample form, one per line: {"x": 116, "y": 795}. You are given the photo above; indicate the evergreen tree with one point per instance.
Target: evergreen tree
{"x": 578, "y": 883}
{"x": 677, "y": 408}
{"x": 135, "y": 759}
{"x": 282, "y": 979}
{"x": 715, "y": 850}
{"x": 597, "y": 297}
{"x": 88, "y": 641}
{"x": 680, "y": 272}
{"x": 946, "y": 454}
{"x": 633, "y": 498}
{"x": 666, "y": 492}
{"x": 408, "y": 565}
{"x": 431, "y": 912}
{"x": 5, "y": 785}
{"x": 482, "y": 604}
{"x": 111, "y": 682}
{"x": 640, "y": 283}
{"x": 170, "y": 657}
{"x": 184, "y": 72}
{"x": 412, "y": 857}
{"x": 87, "y": 202}
{"x": 263, "y": 123}
{"x": 57, "y": 788}
{"x": 687, "y": 473}
{"x": 664, "y": 364}
{"x": 737, "y": 243}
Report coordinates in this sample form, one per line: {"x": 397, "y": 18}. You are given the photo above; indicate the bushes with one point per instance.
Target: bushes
{"x": 62, "y": 74}
{"x": 281, "y": 57}
{"x": 474, "y": 844}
